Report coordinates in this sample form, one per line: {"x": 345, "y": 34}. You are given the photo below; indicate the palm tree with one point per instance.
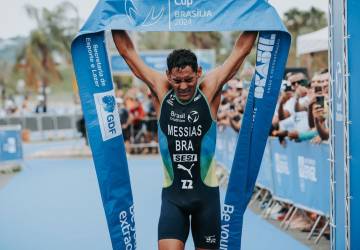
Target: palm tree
{"x": 299, "y": 22}
{"x": 53, "y": 35}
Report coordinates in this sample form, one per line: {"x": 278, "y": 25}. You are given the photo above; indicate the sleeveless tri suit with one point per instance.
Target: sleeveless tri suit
{"x": 187, "y": 138}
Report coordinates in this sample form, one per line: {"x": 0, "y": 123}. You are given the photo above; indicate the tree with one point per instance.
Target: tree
{"x": 204, "y": 40}
{"x": 52, "y": 37}
{"x": 300, "y": 22}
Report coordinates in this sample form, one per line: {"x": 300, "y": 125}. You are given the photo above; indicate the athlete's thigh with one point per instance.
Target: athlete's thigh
{"x": 171, "y": 244}
{"x": 173, "y": 223}
{"x": 206, "y": 226}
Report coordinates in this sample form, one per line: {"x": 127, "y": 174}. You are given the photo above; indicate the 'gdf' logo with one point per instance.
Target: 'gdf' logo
{"x": 107, "y": 114}
{"x": 108, "y": 103}
{"x": 193, "y": 116}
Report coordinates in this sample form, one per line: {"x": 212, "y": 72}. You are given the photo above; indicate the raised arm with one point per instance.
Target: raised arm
{"x": 156, "y": 81}
{"x": 215, "y": 79}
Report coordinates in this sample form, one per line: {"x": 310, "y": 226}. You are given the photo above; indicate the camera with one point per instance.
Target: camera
{"x": 320, "y": 100}
{"x": 288, "y": 88}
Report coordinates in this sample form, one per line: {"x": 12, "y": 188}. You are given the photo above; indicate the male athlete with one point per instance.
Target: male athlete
{"x": 186, "y": 111}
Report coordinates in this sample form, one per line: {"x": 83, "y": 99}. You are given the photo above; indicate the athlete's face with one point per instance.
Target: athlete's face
{"x": 184, "y": 81}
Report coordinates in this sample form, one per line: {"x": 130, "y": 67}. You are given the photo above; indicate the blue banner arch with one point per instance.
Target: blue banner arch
{"x": 96, "y": 91}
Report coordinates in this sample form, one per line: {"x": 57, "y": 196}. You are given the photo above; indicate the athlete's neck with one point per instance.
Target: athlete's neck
{"x": 184, "y": 102}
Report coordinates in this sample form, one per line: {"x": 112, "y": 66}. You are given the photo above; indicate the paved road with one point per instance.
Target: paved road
{"x": 54, "y": 204}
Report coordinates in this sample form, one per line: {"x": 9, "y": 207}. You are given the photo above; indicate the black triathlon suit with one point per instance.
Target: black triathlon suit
{"x": 187, "y": 138}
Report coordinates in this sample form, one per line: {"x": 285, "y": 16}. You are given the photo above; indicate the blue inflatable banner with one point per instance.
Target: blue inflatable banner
{"x": 262, "y": 98}
{"x": 338, "y": 125}
{"x": 353, "y": 22}
{"x": 94, "y": 79}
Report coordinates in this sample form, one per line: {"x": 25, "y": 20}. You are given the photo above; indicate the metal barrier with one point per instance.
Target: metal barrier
{"x": 297, "y": 174}
{"x": 50, "y": 126}
{"x": 43, "y": 122}
{"x": 43, "y": 125}
{"x": 144, "y": 137}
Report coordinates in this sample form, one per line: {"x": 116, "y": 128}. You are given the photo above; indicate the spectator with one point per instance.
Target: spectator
{"x": 80, "y": 126}
{"x": 300, "y": 102}
{"x": 41, "y": 106}
{"x": 124, "y": 120}
{"x": 320, "y": 109}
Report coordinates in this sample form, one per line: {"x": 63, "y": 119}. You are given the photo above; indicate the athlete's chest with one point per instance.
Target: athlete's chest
{"x": 189, "y": 120}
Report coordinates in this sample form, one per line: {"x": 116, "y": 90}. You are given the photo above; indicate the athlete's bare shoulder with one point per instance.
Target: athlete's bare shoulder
{"x": 163, "y": 86}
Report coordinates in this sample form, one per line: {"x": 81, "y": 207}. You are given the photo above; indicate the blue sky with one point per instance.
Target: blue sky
{"x": 13, "y": 19}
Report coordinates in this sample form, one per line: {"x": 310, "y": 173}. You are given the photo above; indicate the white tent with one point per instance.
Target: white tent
{"x": 312, "y": 42}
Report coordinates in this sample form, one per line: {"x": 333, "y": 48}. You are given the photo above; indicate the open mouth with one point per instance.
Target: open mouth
{"x": 183, "y": 93}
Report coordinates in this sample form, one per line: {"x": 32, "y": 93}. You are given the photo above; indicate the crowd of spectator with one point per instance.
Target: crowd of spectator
{"x": 23, "y": 105}
{"x": 138, "y": 120}
{"x": 303, "y": 108}
{"x": 301, "y": 115}
{"x": 232, "y": 105}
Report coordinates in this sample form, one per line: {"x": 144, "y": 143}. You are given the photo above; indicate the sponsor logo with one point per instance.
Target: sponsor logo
{"x": 264, "y": 54}
{"x": 128, "y": 228}
{"x": 210, "y": 239}
{"x": 108, "y": 103}
{"x": 193, "y": 116}
{"x": 281, "y": 164}
{"x": 171, "y": 99}
{"x": 108, "y": 115}
{"x": 187, "y": 184}
{"x": 307, "y": 168}
{"x": 185, "y": 157}
{"x": 151, "y": 18}
{"x": 338, "y": 80}
{"x": 10, "y": 145}
{"x": 226, "y": 213}
{"x": 182, "y": 167}
{"x": 131, "y": 11}
{"x": 177, "y": 117}
{"x": 339, "y": 93}
{"x": 197, "y": 98}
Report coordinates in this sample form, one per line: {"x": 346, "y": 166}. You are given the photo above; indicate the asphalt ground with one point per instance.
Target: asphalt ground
{"x": 54, "y": 203}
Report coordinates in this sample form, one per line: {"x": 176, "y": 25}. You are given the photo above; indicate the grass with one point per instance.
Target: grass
{"x": 11, "y": 169}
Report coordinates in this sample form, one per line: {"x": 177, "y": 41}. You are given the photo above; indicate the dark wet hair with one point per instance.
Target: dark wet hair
{"x": 180, "y": 58}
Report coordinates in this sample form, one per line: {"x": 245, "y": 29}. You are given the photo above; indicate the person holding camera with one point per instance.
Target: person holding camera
{"x": 319, "y": 107}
